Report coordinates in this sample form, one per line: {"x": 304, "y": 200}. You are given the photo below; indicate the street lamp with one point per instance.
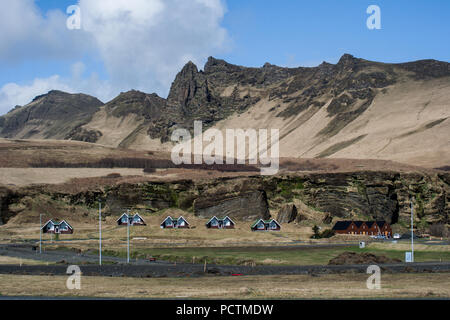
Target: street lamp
{"x": 412, "y": 230}
{"x": 40, "y": 233}
{"x": 128, "y": 236}
{"x": 100, "y": 229}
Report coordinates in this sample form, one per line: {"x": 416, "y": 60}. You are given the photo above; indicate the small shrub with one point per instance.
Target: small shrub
{"x": 327, "y": 233}
{"x": 113, "y": 175}
{"x": 316, "y": 231}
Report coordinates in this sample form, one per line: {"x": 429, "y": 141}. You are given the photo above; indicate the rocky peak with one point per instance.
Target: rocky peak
{"x": 214, "y": 65}
{"x": 186, "y": 86}
{"x": 189, "y": 69}
{"x": 136, "y": 102}
{"x": 345, "y": 58}
{"x": 51, "y": 93}
{"x": 131, "y": 94}
{"x": 427, "y": 68}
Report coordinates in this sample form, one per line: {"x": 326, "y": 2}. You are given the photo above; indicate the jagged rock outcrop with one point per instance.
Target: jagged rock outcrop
{"x": 245, "y": 205}
{"x": 7, "y": 199}
{"x": 287, "y": 213}
{"x": 82, "y": 134}
{"x": 327, "y": 219}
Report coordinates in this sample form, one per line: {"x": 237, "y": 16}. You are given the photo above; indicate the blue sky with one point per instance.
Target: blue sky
{"x": 244, "y": 32}
{"x": 309, "y": 32}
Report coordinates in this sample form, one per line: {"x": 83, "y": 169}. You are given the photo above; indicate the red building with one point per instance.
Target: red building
{"x": 370, "y": 228}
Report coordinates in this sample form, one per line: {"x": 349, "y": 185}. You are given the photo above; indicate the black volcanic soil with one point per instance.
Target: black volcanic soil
{"x": 361, "y": 258}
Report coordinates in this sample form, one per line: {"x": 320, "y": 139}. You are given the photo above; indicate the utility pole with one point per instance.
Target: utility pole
{"x": 40, "y": 233}
{"x": 412, "y": 230}
{"x": 128, "y": 236}
{"x": 100, "y": 230}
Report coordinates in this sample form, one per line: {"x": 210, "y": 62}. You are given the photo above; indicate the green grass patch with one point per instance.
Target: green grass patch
{"x": 267, "y": 255}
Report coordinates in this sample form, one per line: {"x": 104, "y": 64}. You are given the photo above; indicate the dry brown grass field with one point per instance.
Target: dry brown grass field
{"x": 342, "y": 286}
{"x": 86, "y": 228}
{"x": 234, "y": 246}
{"x": 27, "y": 162}
{"x": 18, "y": 261}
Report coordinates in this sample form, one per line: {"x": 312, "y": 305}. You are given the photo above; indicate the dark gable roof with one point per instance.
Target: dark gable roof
{"x": 266, "y": 222}
{"x": 342, "y": 225}
{"x": 120, "y": 218}
{"x": 358, "y": 223}
{"x": 227, "y": 217}
{"x": 275, "y": 221}
{"x": 370, "y": 223}
{"x": 214, "y": 217}
{"x": 174, "y": 220}
{"x": 56, "y": 223}
{"x": 220, "y": 219}
{"x": 182, "y": 218}
{"x": 64, "y": 221}
{"x": 380, "y": 224}
{"x": 138, "y": 216}
{"x": 256, "y": 223}
{"x": 168, "y": 218}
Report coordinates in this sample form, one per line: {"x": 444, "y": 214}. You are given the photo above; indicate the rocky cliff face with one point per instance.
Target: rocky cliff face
{"x": 361, "y": 195}
{"x": 287, "y": 214}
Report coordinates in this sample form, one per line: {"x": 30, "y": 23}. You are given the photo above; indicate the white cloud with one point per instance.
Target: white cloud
{"x": 141, "y": 43}
{"x": 145, "y": 42}
{"x": 27, "y": 34}
{"x": 12, "y": 94}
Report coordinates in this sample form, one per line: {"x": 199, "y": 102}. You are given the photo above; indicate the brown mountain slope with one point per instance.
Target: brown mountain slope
{"x": 55, "y": 115}
{"x": 407, "y": 122}
{"x": 353, "y": 109}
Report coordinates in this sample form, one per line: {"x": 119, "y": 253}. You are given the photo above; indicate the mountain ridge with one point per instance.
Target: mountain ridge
{"x": 332, "y": 106}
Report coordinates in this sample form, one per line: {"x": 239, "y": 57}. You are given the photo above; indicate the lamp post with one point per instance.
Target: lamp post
{"x": 128, "y": 236}
{"x": 40, "y": 233}
{"x": 412, "y": 230}
{"x": 100, "y": 230}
